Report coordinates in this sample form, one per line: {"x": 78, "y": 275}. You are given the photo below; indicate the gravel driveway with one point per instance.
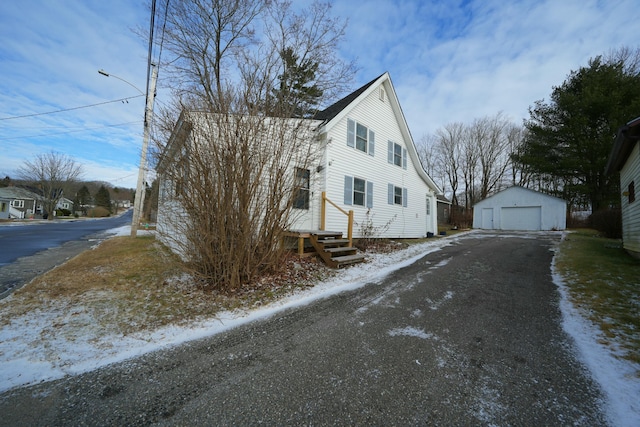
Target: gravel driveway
{"x": 469, "y": 335}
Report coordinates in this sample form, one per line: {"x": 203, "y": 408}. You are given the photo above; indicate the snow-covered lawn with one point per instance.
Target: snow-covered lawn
{"x": 31, "y": 351}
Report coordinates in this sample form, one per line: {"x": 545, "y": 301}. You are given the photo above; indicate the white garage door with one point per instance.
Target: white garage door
{"x": 521, "y": 218}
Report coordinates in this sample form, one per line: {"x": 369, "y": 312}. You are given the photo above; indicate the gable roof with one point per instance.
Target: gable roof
{"x": 334, "y": 109}
{"x": 17, "y": 193}
{"x": 520, "y": 189}
{"x": 628, "y": 136}
{"x": 334, "y": 113}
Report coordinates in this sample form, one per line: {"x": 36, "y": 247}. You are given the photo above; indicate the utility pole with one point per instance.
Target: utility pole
{"x": 148, "y": 114}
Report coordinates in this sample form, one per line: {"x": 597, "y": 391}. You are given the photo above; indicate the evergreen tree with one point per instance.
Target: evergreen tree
{"x": 296, "y": 95}
{"x": 569, "y": 138}
{"x": 82, "y": 199}
{"x": 103, "y": 198}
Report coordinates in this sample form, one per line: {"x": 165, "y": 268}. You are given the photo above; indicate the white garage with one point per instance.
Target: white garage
{"x": 518, "y": 208}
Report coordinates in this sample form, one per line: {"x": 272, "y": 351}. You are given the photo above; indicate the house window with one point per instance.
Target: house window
{"x": 632, "y": 192}
{"x": 397, "y": 155}
{"x": 397, "y": 195}
{"x": 17, "y": 203}
{"x": 358, "y": 191}
{"x": 360, "y": 137}
{"x": 301, "y": 185}
{"x": 3, "y": 207}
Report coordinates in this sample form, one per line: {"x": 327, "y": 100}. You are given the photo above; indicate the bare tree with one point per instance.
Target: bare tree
{"x": 493, "y": 150}
{"x": 51, "y": 173}
{"x": 231, "y": 174}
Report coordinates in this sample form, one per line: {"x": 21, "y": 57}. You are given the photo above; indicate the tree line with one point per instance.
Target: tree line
{"x": 54, "y": 176}
{"x": 560, "y": 149}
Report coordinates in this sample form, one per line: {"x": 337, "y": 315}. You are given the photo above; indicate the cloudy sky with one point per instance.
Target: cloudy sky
{"x": 449, "y": 61}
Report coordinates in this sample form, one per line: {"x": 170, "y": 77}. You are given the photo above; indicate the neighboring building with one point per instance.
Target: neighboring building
{"x": 368, "y": 163}
{"x": 518, "y": 208}
{"x": 444, "y": 210}
{"x": 625, "y": 158}
{"x": 4, "y": 207}
{"x": 22, "y": 203}
{"x": 65, "y": 203}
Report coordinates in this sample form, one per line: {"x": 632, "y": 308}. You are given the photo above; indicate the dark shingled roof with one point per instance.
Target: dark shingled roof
{"x": 333, "y": 110}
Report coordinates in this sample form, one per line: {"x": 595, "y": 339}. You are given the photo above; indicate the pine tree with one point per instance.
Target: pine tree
{"x": 103, "y": 198}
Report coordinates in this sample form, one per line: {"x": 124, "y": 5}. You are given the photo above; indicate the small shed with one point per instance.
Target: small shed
{"x": 518, "y": 208}
{"x": 625, "y": 159}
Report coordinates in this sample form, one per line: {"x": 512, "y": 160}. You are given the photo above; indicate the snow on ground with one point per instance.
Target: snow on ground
{"x": 616, "y": 377}
{"x": 29, "y": 354}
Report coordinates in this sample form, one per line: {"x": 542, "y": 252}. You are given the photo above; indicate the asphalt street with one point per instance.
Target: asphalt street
{"x": 468, "y": 335}
{"x": 29, "y": 250}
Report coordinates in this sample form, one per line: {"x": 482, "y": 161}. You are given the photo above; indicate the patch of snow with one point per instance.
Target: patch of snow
{"x": 410, "y": 331}
{"x": 616, "y": 377}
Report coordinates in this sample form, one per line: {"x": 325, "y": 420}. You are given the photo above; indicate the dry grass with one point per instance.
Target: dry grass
{"x": 604, "y": 281}
{"x": 128, "y": 285}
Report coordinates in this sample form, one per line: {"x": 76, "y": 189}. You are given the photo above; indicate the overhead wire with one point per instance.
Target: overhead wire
{"x": 70, "y": 109}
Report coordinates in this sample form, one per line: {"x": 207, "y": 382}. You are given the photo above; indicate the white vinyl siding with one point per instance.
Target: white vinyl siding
{"x": 406, "y": 220}
{"x": 630, "y": 173}
{"x": 518, "y": 208}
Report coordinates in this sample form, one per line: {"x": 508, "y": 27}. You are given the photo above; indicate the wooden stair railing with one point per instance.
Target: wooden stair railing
{"x": 323, "y": 217}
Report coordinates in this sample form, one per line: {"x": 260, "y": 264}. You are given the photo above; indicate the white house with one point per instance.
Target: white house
{"x": 625, "y": 158}
{"x": 367, "y": 164}
{"x": 370, "y": 164}
{"x": 518, "y": 208}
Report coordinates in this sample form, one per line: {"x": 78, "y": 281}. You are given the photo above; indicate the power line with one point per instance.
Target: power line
{"x": 71, "y": 109}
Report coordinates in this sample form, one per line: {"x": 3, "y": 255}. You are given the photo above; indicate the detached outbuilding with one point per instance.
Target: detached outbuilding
{"x": 518, "y": 208}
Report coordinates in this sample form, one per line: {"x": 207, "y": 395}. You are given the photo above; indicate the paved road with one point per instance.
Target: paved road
{"x": 468, "y": 335}
{"x": 27, "y": 251}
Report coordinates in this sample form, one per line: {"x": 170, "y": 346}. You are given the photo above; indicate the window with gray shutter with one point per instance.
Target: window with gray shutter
{"x": 369, "y": 194}
{"x": 351, "y": 133}
{"x": 348, "y": 190}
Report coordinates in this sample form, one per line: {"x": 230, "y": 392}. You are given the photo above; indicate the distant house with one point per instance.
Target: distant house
{"x": 518, "y": 208}
{"x": 625, "y": 159}
{"x": 65, "y": 203}
{"x": 21, "y": 203}
{"x": 4, "y": 207}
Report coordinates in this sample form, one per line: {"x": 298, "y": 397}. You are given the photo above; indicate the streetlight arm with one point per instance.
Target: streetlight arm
{"x": 104, "y": 73}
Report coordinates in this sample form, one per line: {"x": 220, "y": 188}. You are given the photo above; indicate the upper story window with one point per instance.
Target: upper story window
{"x": 360, "y": 137}
{"x": 397, "y": 155}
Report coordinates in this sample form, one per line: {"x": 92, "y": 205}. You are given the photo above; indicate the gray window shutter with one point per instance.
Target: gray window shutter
{"x": 404, "y": 197}
{"x": 390, "y": 152}
{"x": 390, "y": 195}
{"x": 404, "y": 158}
{"x": 348, "y": 190}
{"x": 369, "y": 194}
{"x": 351, "y": 133}
{"x": 372, "y": 142}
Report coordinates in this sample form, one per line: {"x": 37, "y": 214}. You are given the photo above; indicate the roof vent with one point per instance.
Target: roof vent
{"x": 382, "y": 94}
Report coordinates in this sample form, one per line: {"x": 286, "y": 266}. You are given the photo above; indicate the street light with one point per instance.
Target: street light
{"x": 104, "y": 73}
{"x": 148, "y": 114}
